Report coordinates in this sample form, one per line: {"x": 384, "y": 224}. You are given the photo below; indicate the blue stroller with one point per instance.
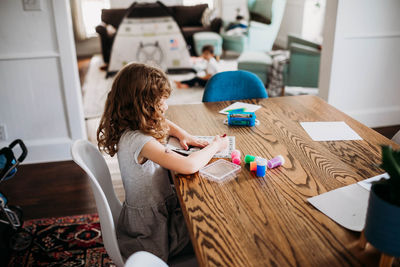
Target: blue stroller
{"x": 13, "y": 237}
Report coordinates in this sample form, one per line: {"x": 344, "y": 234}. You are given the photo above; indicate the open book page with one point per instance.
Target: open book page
{"x": 174, "y": 145}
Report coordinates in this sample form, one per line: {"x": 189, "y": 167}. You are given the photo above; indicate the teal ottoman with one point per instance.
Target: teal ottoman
{"x": 201, "y": 39}
{"x": 234, "y": 43}
{"x": 258, "y": 63}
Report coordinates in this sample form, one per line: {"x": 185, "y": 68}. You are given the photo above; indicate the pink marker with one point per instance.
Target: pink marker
{"x": 235, "y": 156}
{"x": 276, "y": 162}
{"x": 237, "y": 161}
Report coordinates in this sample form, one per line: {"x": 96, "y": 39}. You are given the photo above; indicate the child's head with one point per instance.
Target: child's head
{"x": 239, "y": 17}
{"x": 136, "y": 102}
{"x": 207, "y": 52}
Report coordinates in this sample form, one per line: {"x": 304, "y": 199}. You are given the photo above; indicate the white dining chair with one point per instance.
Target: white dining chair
{"x": 144, "y": 258}
{"x": 88, "y": 157}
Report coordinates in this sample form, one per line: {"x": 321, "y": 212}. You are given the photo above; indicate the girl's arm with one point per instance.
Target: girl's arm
{"x": 184, "y": 137}
{"x": 156, "y": 152}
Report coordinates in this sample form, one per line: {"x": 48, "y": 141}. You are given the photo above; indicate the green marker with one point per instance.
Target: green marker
{"x": 249, "y": 158}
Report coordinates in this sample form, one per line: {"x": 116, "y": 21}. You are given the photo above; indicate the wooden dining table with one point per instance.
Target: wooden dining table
{"x": 267, "y": 221}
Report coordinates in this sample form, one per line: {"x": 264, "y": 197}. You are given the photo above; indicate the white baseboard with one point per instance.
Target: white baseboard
{"x": 377, "y": 117}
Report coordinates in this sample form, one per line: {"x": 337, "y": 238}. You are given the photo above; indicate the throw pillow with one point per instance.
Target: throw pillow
{"x": 208, "y": 16}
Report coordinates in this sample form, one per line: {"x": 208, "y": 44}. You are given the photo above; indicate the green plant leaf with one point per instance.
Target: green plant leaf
{"x": 391, "y": 164}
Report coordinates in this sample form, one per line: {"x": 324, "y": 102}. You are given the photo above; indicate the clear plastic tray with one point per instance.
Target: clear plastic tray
{"x": 220, "y": 171}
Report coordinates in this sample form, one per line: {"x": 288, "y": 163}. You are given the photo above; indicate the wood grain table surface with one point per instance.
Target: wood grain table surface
{"x": 252, "y": 221}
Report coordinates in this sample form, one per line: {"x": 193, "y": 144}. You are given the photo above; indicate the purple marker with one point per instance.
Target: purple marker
{"x": 276, "y": 162}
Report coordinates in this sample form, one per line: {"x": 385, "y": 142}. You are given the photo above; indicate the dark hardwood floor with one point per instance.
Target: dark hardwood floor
{"x": 83, "y": 67}
{"x": 388, "y": 131}
{"x": 50, "y": 190}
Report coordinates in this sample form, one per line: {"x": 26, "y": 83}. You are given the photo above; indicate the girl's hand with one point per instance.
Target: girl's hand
{"x": 221, "y": 141}
{"x": 190, "y": 140}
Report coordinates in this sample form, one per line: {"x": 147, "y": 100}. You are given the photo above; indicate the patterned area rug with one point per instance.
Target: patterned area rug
{"x": 64, "y": 241}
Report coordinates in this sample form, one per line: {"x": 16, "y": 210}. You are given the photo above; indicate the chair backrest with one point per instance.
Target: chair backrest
{"x": 234, "y": 85}
{"x": 262, "y": 36}
{"x": 261, "y": 7}
{"x": 144, "y": 258}
{"x": 88, "y": 157}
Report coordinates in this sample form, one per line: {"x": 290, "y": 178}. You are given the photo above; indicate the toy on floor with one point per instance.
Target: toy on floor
{"x": 149, "y": 34}
{"x": 12, "y": 235}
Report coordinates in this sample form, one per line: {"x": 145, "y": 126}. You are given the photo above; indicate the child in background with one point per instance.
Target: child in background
{"x": 207, "y": 53}
{"x": 133, "y": 124}
{"x": 237, "y": 28}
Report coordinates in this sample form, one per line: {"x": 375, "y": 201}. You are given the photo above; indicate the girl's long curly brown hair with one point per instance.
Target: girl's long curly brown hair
{"x": 134, "y": 103}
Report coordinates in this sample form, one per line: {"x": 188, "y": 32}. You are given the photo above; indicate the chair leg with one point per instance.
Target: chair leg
{"x": 386, "y": 260}
{"x": 363, "y": 240}
{"x": 283, "y": 91}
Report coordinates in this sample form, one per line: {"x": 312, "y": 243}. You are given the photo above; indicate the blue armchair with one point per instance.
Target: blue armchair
{"x": 303, "y": 67}
{"x": 234, "y": 85}
{"x": 260, "y": 36}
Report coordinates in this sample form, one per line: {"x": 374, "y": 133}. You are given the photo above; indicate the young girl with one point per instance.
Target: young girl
{"x": 133, "y": 124}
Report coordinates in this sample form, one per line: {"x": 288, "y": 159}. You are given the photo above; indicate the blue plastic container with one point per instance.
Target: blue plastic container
{"x": 242, "y": 118}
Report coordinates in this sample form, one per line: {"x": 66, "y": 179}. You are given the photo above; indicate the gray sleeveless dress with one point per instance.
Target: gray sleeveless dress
{"x": 151, "y": 218}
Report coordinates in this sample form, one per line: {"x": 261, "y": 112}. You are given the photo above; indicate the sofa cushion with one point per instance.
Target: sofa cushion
{"x": 189, "y": 31}
{"x": 189, "y": 15}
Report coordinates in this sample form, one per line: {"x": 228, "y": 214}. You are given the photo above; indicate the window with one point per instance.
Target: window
{"x": 197, "y": 2}
{"x": 91, "y": 14}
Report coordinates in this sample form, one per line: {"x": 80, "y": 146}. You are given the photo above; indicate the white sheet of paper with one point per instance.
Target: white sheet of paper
{"x": 330, "y": 131}
{"x": 245, "y": 107}
{"x": 367, "y": 183}
{"x": 347, "y": 206}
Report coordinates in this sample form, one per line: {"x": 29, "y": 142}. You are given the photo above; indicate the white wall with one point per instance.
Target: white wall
{"x": 228, "y": 9}
{"x": 313, "y": 20}
{"x": 360, "y": 63}
{"x": 292, "y": 21}
{"x": 40, "y": 99}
